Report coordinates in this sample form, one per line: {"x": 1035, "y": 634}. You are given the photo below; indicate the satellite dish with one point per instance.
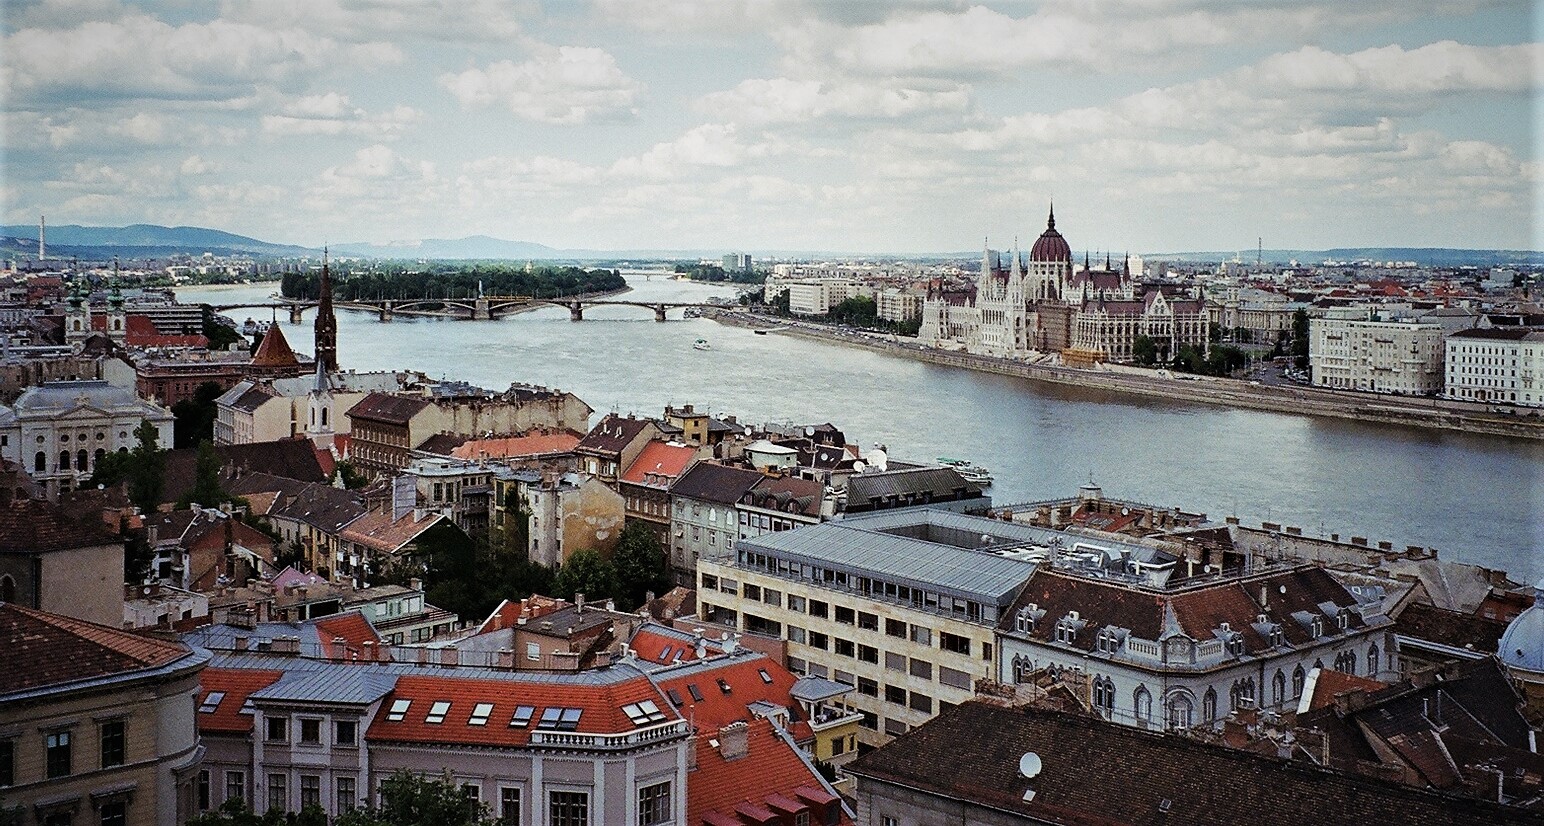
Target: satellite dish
{"x": 1029, "y": 764}
{"x": 1125, "y": 511}
{"x": 809, "y": 430}
{"x": 858, "y": 466}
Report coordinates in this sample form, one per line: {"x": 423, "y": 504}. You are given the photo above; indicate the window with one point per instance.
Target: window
{"x": 921, "y": 668}
{"x": 952, "y": 642}
{"x": 867, "y": 687}
{"x": 691, "y": 688}
{"x": 480, "y": 714}
{"x": 818, "y": 609}
{"x": 921, "y": 702}
{"x": 867, "y": 621}
{"x": 471, "y": 797}
{"x": 522, "y": 716}
{"x": 568, "y": 808}
{"x": 509, "y": 806}
{"x": 346, "y": 793}
{"x": 752, "y": 592}
{"x": 114, "y": 813}
{"x": 654, "y": 804}
{"x": 310, "y": 730}
{"x": 7, "y": 763}
{"x": 532, "y": 651}
{"x": 398, "y": 710}
{"x": 1104, "y": 695}
{"x": 953, "y": 678}
{"x": 796, "y": 634}
{"x": 278, "y": 792}
{"x": 723, "y": 685}
{"x": 921, "y": 636}
{"x": 844, "y": 648}
{"x": 113, "y": 745}
{"x": 894, "y": 661}
{"x": 845, "y": 616}
{"x": 211, "y": 702}
{"x": 58, "y": 746}
{"x": 1372, "y": 661}
{"x": 277, "y": 729}
{"x": 868, "y": 654}
{"x": 1298, "y": 679}
{"x": 203, "y": 790}
{"x": 437, "y": 712}
{"x": 895, "y": 694}
{"x": 310, "y": 790}
{"x": 895, "y": 728}
{"x": 1209, "y": 705}
{"x": 236, "y": 786}
{"x": 560, "y": 719}
{"x": 1142, "y": 704}
{"x": 345, "y": 732}
{"x": 765, "y": 677}
{"x": 643, "y": 713}
{"x": 819, "y": 640}
{"x": 895, "y": 628}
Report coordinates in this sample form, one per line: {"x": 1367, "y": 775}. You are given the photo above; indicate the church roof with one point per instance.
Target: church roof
{"x": 274, "y": 351}
{"x": 1050, "y": 246}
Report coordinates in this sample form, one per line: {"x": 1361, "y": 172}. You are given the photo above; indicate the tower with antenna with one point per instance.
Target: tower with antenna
{"x": 1259, "y": 257}
{"x": 42, "y": 224}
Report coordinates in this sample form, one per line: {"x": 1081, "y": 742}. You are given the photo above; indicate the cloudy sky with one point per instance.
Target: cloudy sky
{"x": 913, "y": 126}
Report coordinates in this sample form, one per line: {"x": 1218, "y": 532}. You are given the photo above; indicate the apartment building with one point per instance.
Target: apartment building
{"x": 1496, "y": 364}
{"x": 899, "y": 605}
{"x": 1403, "y": 357}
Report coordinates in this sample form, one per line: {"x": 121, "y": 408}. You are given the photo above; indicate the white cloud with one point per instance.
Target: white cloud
{"x": 194, "y": 165}
{"x": 372, "y": 20}
{"x": 708, "y": 145}
{"x": 559, "y": 85}
{"x": 332, "y": 114}
{"x": 786, "y": 100}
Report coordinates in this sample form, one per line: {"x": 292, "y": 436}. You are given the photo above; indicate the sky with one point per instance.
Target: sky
{"x": 907, "y": 126}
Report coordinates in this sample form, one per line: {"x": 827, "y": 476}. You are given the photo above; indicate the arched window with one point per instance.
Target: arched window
{"x": 64, "y": 460}
{"x": 1181, "y": 710}
{"x": 82, "y": 459}
{"x": 1372, "y": 661}
{"x": 7, "y": 589}
{"x": 1142, "y": 704}
{"x": 1345, "y": 662}
{"x": 1278, "y": 688}
{"x": 1104, "y": 695}
{"x": 98, "y": 455}
{"x": 1298, "y": 678}
{"x": 324, "y": 417}
{"x": 40, "y": 462}
{"x": 1209, "y": 705}
{"x": 1020, "y": 669}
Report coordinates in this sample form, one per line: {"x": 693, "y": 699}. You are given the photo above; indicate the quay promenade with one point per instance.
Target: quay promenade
{"x": 1381, "y": 408}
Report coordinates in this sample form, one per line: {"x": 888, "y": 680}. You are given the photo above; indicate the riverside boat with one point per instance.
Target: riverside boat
{"x": 970, "y": 471}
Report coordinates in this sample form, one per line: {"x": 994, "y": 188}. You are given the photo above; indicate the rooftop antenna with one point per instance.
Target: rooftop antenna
{"x": 42, "y": 224}
{"x": 1260, "y": 250}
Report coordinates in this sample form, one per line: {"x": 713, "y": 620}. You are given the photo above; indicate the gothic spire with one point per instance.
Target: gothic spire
{"x": 326, "y": 329}
{"x": 1050, "y": 222}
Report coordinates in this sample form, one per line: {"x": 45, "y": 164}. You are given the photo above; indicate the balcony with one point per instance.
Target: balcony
{"x": 826, "y": 719}
{"x": 657, "y": 733}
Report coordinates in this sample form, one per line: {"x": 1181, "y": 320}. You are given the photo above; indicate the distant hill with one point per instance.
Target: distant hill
{"x": 1428, "y": 256}
{"x": 140, "y": 238}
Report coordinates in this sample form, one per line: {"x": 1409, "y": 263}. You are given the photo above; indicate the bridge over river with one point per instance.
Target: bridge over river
{"x": 482, "y": 308}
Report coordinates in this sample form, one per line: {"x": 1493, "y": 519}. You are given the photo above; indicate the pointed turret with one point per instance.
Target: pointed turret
{"x": 1018, "y": 270}
{"x": 326, "y": 329}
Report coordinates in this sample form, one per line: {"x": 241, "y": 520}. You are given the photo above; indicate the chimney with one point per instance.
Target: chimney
{"x": 286, "y": 644}
{"x": 579, "y": 602}
{"x": 240, "y": 643}
{"x": 340, "y": 648}
{"x": 415, "y": 583}
{"x": 506, "y": 659}
{"x": 450, "y": 656}
{"x": 734, "y": 740}
{"x": 367, "y": 651}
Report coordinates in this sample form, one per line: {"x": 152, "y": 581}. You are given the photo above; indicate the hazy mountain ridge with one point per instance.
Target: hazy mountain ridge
{"x": 150, "y": 240}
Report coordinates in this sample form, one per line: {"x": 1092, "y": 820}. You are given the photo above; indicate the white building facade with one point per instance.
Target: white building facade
{"x": 1496, "y": 365}
{"x": 59, "y": 431}
{"x": 1402, "y": 357}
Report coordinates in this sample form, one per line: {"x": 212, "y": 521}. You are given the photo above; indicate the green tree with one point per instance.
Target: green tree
{"x": 1300, "y": 339}
{"x": 195, "y": 417}
{"x": 410, "y": 800}
{"x": 859, "y": 311}
{"x": 640, "y": 565}
{"x": 234, "y": 812}
{"x": 220, "y": 336}
{"x": 352, "y": 479}
{"x": 207, "y": 490}
{"x": 147, "y": 468}
{"x": 586, "y": 572}
{"x": 780, "y": 304}
{"x": 1144, "y": 351}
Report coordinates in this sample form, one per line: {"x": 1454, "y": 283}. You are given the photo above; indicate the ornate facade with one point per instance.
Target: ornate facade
{"x": 1045, "y": 305}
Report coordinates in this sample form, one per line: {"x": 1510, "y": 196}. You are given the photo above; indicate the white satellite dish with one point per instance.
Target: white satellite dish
{"x": 858, "y": 466}
{"x": 1029, "y": 764}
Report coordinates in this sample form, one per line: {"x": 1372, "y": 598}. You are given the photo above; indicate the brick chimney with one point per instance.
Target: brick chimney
{"x": 734, "y": 740}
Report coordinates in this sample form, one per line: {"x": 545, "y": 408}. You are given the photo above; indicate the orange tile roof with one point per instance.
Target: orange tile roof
{"x": 509, "y": 613}
{"x": 658, "y": 645}
{"x": 743, "y": 676}
{"x": 660, "y": 459}
{"x": 52, "y": 649}
{"x": 1330, "y": 683}
{"x": 238, "y": 684}
{"x": 352, "y": 627}
{"x": 772, "y": 775}
{"x": 601, "y": 705}
{"x": 377, "y": 530}
{"x": 535, "y": 444}
{"x": 274, "y": 351}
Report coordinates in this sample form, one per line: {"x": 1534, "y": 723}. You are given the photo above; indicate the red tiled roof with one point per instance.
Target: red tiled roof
{"x": 601, "y": 705}
{"x": 657, "y": 646}
{"x": 536, "y": 444}
{"x": 383, "y": 407}
{"x": 352, "y": 627}
{"x": 30, "y": 526}
{"x": 771, "y": 773}
{"x": 274, "y": 351}
{"x": 49, "y": 649}
{"x": 1330, "y": 683}
{"x": 140, "y": 331}
{"x": 662, "y": 461}
{"x": 743, "y": 676}
{"x": 238, "y": 684}
{"x": 379, "y": 531}
{"x": 508, "y": 614}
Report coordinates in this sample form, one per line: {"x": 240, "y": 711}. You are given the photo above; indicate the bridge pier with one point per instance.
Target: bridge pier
{"x": 480, "y": 310}
{"x": 295, "y": 311}
{"x": 386, "y": 313}
{"x": 659, "y": 312}
{"x": 576, "y": 311}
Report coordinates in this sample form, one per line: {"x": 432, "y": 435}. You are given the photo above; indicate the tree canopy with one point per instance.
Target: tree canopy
{"x": 586, "y": 572}
{"x": 640, "y": 565}
{"x": 448, "y": 281}
{"x": 195, "y": 417}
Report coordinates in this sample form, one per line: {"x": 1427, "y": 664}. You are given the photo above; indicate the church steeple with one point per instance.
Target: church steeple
{"x": 326, "y": 329}
{"x": 1050, "y": 223}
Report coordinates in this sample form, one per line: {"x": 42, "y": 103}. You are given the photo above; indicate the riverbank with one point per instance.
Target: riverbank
{"x": 1406, "y": 411}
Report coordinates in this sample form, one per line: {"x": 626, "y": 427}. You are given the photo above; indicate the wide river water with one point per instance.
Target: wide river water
{"x": 1478, "y": 499}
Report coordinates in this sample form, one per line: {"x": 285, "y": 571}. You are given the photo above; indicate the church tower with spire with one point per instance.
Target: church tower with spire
{"x": 326, "y": 324}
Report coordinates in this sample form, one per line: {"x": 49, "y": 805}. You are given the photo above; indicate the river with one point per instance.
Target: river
{"x": 1477, "y": 499}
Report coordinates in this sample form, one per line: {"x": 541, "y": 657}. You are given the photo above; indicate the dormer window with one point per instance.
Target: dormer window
{"x": 1236, "y": 645}
{"x": 1277, "y": 638}
{"x": 1343, "y": 619}
{"x": 1066, "y": 632}
{"x": 1318, "y": 627}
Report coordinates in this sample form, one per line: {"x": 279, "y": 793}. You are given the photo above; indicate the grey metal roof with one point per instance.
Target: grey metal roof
{"x": 860, "y": 546}
{"x": 814, "y": 689}
{"x": 934, "y": 480}
{"x": 354, "y": 685}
